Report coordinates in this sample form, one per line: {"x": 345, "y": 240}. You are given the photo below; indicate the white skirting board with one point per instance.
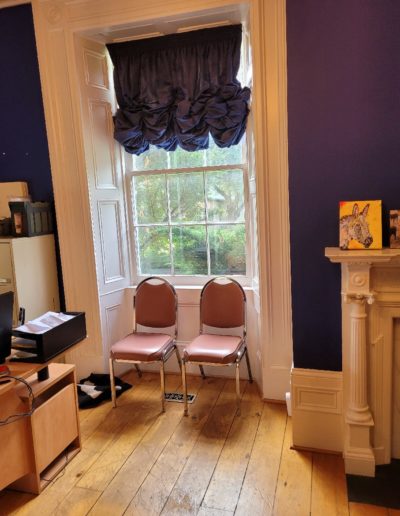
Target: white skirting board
{"x": 317, "y": 409}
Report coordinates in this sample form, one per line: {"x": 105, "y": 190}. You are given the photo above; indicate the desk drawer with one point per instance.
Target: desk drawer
{"x": 16, "y": 454}
{"x": 54, "y": 426}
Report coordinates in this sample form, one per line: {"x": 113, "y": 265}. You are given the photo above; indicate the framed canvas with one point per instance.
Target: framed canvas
{"x": 360, "y": 224}
{"x": 394, "y": 229}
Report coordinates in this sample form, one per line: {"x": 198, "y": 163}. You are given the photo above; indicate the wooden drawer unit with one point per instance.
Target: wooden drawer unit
{"x": 36, "y": 448}
{"x": 54, "y": 426}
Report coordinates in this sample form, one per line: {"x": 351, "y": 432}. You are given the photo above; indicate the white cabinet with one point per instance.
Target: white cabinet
{"x": 28, "y": 268}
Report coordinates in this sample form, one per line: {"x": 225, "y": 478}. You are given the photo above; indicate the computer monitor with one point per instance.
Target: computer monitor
{"x": 6, "y": 317}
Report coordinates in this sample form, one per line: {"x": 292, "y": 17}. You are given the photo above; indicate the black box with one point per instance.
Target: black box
{"x": 47, "y": 345}
{"x": 31, "y": 218}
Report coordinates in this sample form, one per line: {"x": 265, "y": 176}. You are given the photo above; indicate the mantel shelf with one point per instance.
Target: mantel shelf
{"x": 337, "y": 255}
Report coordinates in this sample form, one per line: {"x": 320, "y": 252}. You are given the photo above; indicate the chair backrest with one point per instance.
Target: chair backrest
{"x": 223, "y": 304}
{"x": 155, "y": 303}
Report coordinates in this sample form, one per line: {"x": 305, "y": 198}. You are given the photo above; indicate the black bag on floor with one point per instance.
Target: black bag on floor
{"x": 96, "y": 388}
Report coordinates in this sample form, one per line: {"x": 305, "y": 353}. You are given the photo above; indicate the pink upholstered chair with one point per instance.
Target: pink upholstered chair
{"x": 155, "y": 306}
{"x": 223, "y": 306}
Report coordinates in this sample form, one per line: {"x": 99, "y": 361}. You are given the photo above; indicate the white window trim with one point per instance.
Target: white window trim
{"x": 180, "y": 279}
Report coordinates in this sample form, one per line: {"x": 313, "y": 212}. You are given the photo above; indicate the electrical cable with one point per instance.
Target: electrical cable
{"x": 60, "y": 473}
{"x": 16, "y": 417}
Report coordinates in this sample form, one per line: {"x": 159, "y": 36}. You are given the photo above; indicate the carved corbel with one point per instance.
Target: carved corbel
{"x": 354, "y": 297}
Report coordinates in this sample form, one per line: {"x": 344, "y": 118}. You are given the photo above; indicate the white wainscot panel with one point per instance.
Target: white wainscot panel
{"x": 111, "y": 242}
{"x": 103, "y": 144}
{"x": 317, "y": 407}
{"x": 95, "y": 69}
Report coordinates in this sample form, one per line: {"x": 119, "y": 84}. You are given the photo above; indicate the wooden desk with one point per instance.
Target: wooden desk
{"x": 33, "y": 448}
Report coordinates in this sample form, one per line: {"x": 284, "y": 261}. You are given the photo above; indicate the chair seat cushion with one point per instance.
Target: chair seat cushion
{"x": 142, "y": 347}
{"x": 216, "y": 349}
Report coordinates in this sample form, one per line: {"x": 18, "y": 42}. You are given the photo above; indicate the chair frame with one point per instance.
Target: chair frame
{"x": 164, "y": 357}
{"x": 242, "y": 350}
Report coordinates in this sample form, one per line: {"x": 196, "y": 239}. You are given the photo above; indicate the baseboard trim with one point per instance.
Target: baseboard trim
{"x": 317, "y": 409}
{"x": 276, "y": 402}
{"x": 316, "y": 450}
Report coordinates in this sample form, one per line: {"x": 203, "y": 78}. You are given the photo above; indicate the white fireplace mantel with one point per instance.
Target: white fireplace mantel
{"x": 370, "y": 302}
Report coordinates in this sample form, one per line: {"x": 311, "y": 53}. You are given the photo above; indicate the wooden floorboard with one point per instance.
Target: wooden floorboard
{"x": 293, "y": 492}
{"x": 258, "y": 490}
{"x": 328, "y": 490}
{"x": 137, "y": 461}
{"x": 191, "y": 486}
{"x": 233, "y": 461}
{"x": 155, "y": 490}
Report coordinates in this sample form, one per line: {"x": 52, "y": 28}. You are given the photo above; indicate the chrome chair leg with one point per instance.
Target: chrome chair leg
{"x": 248, "y": 366}
{"x": 237, "y": 388}
{"x": 184, "y": 385}
{"x": 178, "y": 357}
{"x": 202, "y": 372}
{"x": 139, "y": 372}
{"x": 162, "y": 378}
{"x": 112, "y": 384}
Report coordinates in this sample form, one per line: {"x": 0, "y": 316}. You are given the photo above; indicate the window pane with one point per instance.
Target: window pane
{"x": 150, "y": 199}
{"x": 190, "y": 250}
{"x": 160, "y": 159}
{"x": 153, "y": 250}
{"x": 153, "y": 159}
{"x": 184, "y": 159}
{"x": 227, "y": 156}
{"x": 225, "y": 196}
{"x": 227, "y": 249}
{"x": 186, "y": 194}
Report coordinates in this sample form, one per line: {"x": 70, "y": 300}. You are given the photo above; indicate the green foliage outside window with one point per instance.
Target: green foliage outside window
{"x": 190, "y": 222}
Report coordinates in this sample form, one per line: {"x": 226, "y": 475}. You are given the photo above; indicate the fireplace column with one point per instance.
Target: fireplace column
{"x": 358, "y": 453}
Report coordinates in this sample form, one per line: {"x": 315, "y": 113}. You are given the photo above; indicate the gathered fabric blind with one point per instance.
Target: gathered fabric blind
{"x": 178, "y": 89}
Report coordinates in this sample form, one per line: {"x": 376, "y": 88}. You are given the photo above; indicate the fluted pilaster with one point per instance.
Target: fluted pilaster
{"x": 358, "y": 410}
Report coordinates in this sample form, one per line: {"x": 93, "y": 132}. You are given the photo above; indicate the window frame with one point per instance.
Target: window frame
{"x": 194, "y": 279}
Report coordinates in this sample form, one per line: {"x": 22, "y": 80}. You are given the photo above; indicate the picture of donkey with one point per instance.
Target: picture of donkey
{"x": 355, "y": 227}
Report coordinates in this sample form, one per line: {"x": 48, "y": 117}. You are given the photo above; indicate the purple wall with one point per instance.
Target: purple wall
{"x": 344, "y": 144}
{"x": 24, "y": 154}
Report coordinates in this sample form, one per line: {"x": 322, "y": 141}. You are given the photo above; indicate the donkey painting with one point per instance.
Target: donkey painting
{"x": 355, "y": 227}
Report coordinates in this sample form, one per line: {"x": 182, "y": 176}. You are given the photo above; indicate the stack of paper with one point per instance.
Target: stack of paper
{"x": 45, "y": 322}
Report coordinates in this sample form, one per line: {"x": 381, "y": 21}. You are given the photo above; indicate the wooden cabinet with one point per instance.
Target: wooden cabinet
{"x": 28, "y": 268}
{"x": 34, "y": 449}
{"x": 54, "y": 426}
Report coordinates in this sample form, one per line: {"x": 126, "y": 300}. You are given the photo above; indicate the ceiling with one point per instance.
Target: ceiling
{"x": 168, "y": 25}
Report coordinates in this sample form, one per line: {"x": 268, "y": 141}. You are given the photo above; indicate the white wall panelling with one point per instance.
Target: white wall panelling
{"x": 111, "y": 240}
{"x": 102, "y": 144}
{"x": 317, "y": 409}
{"x": 96, "y": 70}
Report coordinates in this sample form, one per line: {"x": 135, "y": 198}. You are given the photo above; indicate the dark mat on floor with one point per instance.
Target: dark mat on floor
{"x": 381, "y": 490}
{"x": 96, "y": 388}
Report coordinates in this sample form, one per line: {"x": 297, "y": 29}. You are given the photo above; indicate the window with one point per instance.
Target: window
{"x": 188, "y": 212}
